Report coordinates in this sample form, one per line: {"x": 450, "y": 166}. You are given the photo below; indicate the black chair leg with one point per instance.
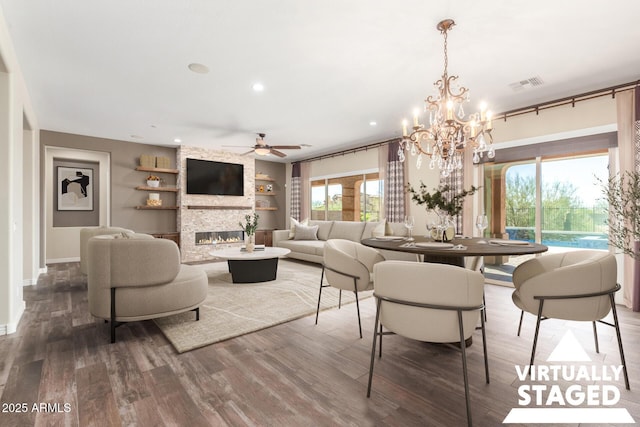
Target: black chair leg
{"x": 340, "y": 299}
{"x": 484, "y": 348}
{"x": 617, "y": 326}
{"x": 595, "y": 336}
{"x": 520, "y": 324}
{"x": 358, "y": 308}
{"x": 113, "y": 315}
{"x": 464, "y": 368}
{"x": 320, "y": 294}
{"x": 535, "y": 336}
{"x": 373, "y": 346}
{"x": 197, "y": 310}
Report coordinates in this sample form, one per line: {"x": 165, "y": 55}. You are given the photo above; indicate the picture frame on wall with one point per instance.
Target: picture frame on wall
{"x": 75, "y": 189}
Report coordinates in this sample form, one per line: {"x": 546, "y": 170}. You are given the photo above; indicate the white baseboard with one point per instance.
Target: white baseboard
{"x": 12, "y": 327}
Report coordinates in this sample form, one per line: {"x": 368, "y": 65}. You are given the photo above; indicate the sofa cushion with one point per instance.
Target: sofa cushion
{"x": 324, "y": 228}
{"x": 368, "y": 229}
{"x": 347, "y": 230}
{"x": 309, "y": 247}
{"x": 306, "y": 232}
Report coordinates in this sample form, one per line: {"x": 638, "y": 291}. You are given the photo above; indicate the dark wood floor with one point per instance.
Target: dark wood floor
{"x": 296, "y": 374}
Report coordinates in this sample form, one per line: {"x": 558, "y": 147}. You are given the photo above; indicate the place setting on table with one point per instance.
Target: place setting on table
{"x": 450, "y": 248}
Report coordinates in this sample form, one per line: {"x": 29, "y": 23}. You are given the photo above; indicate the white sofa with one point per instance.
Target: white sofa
{"x": 313, "y": 250}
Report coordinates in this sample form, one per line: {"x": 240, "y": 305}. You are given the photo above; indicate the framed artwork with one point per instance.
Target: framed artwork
{"x": 75, "y": 189}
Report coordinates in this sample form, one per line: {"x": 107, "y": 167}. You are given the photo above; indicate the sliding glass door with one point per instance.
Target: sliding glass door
{"x": 346, "y": 198}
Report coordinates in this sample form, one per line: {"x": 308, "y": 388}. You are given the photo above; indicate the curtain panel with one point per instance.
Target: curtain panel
{"x": 395, "y": 196}
{"x": 296, "y": 191}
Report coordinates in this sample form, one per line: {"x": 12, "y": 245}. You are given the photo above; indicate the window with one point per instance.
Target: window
{"x": 346, "y": 198}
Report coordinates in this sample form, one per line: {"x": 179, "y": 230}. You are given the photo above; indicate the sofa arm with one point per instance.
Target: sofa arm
{"x": 279, "y": 236}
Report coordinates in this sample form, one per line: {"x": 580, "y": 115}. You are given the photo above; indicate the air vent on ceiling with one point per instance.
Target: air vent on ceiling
{"x": 526, "y": 84}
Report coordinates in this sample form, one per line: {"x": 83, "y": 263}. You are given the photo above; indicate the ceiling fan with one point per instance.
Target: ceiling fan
{"x": 262, "y": 148}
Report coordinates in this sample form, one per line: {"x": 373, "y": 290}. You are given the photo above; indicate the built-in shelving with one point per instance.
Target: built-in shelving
{"x": 160, "y": 170}
{"x": 216, "y": 207}
{"x": 151, "y": 208}
{"x": 147, "y": 188}
{"x": 266, "y": 208}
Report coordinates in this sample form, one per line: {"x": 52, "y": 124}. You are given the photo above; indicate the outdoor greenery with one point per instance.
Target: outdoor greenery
{"x": 562, "y": 209}
{"x": 623, "y": 194}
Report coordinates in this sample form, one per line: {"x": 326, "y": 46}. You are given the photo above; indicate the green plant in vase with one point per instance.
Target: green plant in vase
{"x": 443, "y": 201}
{"x": 249, "y": 227}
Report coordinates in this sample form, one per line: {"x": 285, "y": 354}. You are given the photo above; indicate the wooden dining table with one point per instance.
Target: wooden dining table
{"x": 455, "y": 251}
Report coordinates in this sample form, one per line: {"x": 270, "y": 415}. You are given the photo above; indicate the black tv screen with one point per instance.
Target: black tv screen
{"x": 215, "y": 178}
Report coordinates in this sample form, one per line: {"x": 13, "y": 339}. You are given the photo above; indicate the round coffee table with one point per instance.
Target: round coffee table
{"x": 252, "y": 267}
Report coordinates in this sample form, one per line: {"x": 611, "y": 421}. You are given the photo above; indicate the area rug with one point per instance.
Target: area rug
{"x": 234, "y": 309}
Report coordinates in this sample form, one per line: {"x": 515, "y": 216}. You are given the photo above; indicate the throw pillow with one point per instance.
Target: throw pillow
{"x": 294, "y": 224}
{"x": 304, "y": 232}
{"x": 380, "y": 229}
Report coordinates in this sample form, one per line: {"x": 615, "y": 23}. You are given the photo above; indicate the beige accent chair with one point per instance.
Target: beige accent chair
{"x": 348, "y": 266}
{"x": 87, "y": 233}
{"x": 139, "y": 278}
{"x": 576, "y": 285}
{"x": 428, "y": 302}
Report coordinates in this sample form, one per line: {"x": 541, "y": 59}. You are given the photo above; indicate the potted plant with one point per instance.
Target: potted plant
{"x": 622, "y": 193}
{"x": 153, "y": 181}
{"x": 444, "y": 202}
{"x": 250, "y": 226}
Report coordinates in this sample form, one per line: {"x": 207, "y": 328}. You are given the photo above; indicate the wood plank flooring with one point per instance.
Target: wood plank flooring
{"x": 295, "y": 374}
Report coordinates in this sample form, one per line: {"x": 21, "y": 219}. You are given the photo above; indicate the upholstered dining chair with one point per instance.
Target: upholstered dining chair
{"x": 435, "y": 303}
{"x": 576, "y": 285}
{"x": 348, "y": 266}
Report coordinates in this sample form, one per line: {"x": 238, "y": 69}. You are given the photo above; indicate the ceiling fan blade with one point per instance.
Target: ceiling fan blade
{"x": 286, "y": 147}
{"x": 234, "y": 146}
{"x": 248, "y": 152}
{"x": 278, "y": 153}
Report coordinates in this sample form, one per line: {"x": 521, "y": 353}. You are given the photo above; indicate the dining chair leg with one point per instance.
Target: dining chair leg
{"x": 595, "y": 336}
{"x": 340, "y": 299}
{"x": 484, "y": 348}
{"x": 520, "y": 324}
{"x": 617, "y": 326}
{"x": 373, "y": 346}
{"x": 535, "y": 336}
{"x": 320, "y": 294}
{"x": 484, "y": 310}
{"x": 464, "y": 367}
{"x": 355, "y": 287}
{"x": 380, "y": 345}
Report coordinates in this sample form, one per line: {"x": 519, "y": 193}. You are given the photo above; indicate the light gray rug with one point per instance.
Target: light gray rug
{"x": 233, "y": 309}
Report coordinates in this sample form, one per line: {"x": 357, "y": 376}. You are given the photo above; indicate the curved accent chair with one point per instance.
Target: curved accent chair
{"x": 87, "y": 233}
{"x": 427, "y": 302}
{"x": 139, "y": 278}
{"x": 576, "y": 285}
{"x": 348, "y": 266}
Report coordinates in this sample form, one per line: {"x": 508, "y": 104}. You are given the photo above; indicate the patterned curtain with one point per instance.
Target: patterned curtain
{"x": 296, "y": 191}
{"x": 395, "y": 195}
{"x": 628, "y": 117}
{"x": 455, "y": 180}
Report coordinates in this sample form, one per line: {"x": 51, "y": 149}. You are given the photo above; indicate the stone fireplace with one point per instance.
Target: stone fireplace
{"x": 218, "y": 237}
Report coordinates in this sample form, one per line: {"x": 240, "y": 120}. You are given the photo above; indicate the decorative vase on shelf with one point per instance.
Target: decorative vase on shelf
{"x": 250, "y": 244}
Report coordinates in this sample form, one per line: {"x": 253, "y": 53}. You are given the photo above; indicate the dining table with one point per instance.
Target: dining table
{"x": 455, "y": 251}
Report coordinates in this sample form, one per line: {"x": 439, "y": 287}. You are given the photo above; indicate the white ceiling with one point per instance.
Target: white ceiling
{"x": 118, "y": 68}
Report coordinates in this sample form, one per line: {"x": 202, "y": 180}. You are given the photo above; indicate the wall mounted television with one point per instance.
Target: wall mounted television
{"x": 215, "y": 178}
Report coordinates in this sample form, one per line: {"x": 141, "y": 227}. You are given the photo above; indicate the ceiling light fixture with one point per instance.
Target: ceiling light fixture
{"x": 448, "y": 133}
{"x": 373, "y": 123}
{"x": 258, "y": 87}
{"x": 177, "y": 140}
{"x": 260, "y": 151}
{"x": 198, "y": 68}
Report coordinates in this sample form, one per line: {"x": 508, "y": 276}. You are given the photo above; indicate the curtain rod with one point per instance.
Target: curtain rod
{"x": 536, "y": 108}
{"x": 350, "y": 151}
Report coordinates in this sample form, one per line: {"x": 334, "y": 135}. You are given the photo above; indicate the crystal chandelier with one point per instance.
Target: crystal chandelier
{"x": 448, "y": 134}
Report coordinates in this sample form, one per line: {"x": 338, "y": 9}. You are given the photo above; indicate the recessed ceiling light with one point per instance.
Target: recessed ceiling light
{"x": 177, "y": 140}
{"x": 198, "y": 68}
{"x": 373, "y": 123}
{"x": 136, "y": 137}
{"x": 258, "y": 87}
